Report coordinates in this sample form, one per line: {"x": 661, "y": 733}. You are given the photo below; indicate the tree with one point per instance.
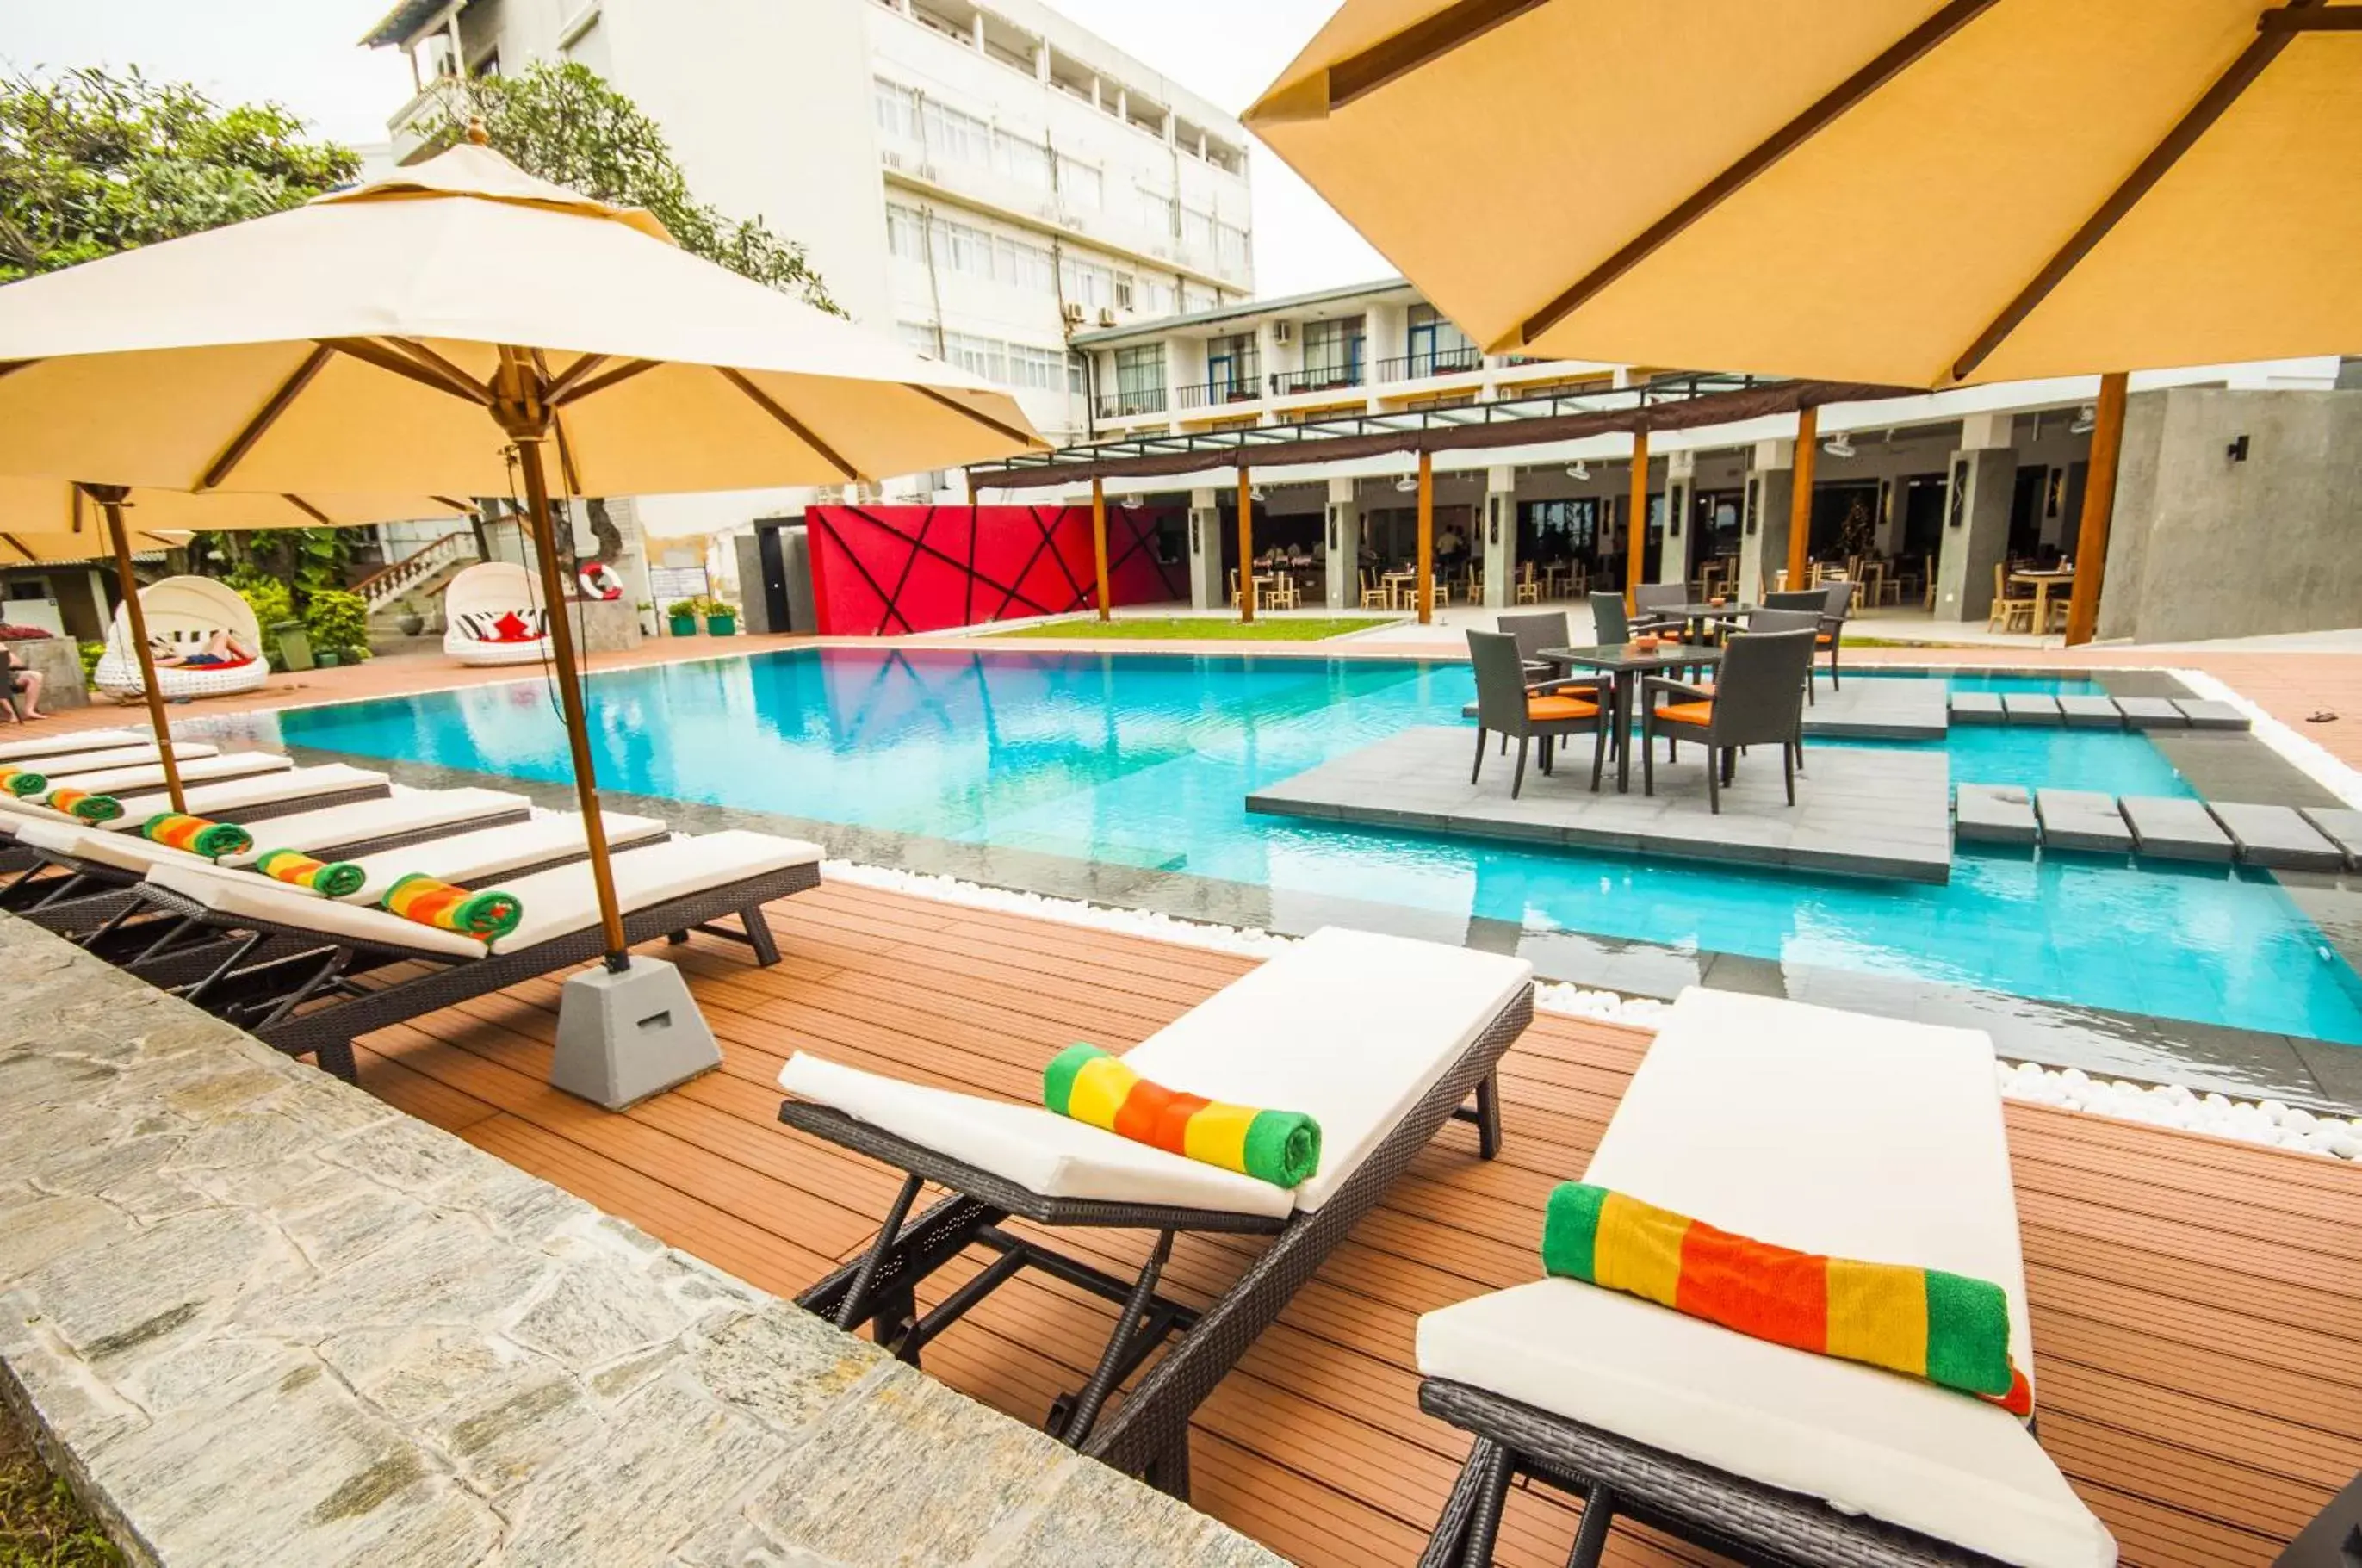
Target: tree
{"x": 92, "y": 163}
{"x": 566, "y": 124}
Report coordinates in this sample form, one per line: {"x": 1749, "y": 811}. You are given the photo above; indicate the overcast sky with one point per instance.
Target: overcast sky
{"x": 302, "y": 54}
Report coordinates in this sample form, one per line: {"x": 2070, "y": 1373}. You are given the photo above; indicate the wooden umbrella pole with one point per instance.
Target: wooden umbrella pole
{"x": 1426, "y": 538}
{"x": 1246, "y": 545}
{"x": 110, "y": 501}
{"x": 2099, "y": 507}
{"x": 1636, "y": 521}
{"x": 570, "y": 694}
{"x": 1800, "y": 500}
{"x": 1098, "y": 543}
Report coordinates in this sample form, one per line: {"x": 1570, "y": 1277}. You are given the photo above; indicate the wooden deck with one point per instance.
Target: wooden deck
{"x": 2198, "y": 1304}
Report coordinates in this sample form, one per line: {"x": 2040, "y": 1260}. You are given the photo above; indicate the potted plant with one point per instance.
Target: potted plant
{"x": 680, "y": 616}
{"x": 721, "y": 618}
{"x": 337, "y": 623}
{"x": 410, "y": 622}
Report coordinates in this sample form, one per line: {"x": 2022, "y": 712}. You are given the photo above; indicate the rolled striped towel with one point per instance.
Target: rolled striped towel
{"x": 1282, "y": 1147}
{"x": 83, "y": 804}
{"x": 487, "y": 914}
{"x": 331, "y": 879}
{"x": 22, "y": 782}
{"x": 1946, "y": 1328}
{"x": 197, "y": 836}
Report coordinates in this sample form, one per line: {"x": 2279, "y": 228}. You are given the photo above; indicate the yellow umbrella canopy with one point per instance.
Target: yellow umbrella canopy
{"x": 60, "y": 508}
{"x": 1918, "y": 192}
{"x": 37, "y": 549}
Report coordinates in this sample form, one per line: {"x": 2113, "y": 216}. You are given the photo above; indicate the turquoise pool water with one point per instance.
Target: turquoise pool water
{"x": 1146, "y": 761}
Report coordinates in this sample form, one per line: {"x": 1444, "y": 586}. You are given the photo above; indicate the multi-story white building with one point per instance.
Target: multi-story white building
{"x": 984, "y": 180}
{"x": 1949, "y": 484}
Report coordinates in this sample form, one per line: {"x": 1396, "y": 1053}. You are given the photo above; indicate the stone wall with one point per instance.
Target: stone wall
{"x": 59, "y": 661}
{"x": 257, "y": 1316}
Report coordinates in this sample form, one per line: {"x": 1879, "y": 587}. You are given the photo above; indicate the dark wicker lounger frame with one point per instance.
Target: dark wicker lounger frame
{"x": 1616, "y": 1477}
{"x": 1149, "y": 1433}
{"x": 267, "y": 997}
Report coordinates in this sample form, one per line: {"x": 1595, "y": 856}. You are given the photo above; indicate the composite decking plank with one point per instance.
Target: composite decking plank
{"x": 2188, "y": 1293}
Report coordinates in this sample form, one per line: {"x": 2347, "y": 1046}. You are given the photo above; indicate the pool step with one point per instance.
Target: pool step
{"x": 2277, "y": 837}
{"x": 2096, "y": 712}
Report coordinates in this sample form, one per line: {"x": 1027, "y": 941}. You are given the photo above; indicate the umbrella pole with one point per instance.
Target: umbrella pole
{"x": 578, "y": 729}
{"x": 2099, "y": 506}
{"x": 1099, "y": 543}
{"x": 110, "y": 501}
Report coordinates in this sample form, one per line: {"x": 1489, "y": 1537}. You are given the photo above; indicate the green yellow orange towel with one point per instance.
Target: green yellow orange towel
{"x": 1946, "y": 1328}
{"x": 83, "y": 804}
{"x": 22, "y": 782}
{"x": 331, "y": 879}
{"x": 486, "y": 915}
{"x": 1282, "y": 1147}
{"x": 198, "y": 836}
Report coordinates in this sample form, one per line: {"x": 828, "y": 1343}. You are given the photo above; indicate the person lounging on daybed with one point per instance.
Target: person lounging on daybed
{"x": 1377, "y": 1040}
{"x": 293, "y": 956}
{"x": 1754, "y": 1126}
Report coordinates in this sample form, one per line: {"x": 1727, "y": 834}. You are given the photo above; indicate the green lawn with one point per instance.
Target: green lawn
{"x": 1200, "y": 628}
{"x": 41, "y": 1525}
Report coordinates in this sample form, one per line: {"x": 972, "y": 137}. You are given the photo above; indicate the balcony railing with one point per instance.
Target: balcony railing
{"x": 1236, "y": 389}
{"x": 1116, "y": 404}
{"x": 1317, "y": 378}
{"x": 1432, "y": 362}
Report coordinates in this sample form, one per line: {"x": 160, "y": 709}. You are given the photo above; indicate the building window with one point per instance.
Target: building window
{"x": 1232, "y": 369}
{"x": 1436, "y": 344}
{"x": 1040, "y": 370}
{"x": 986, "y": 356}
{"x": 1081, "y": 184}
{"x": 917, "y": 336}
{"x": 1140, "y": 378}
{"x": 1027, "y": 162}
{"x": 1027, "y": 267}
{"x": 906, "y": 232}
{"x": 1156, "y": 296}
{"x": 955, "y": 137}
{"x": 1333, "y": 352}
{"x": 1077, "y": 374}
{"x": 1157, "y": 212}
{"x": 898, "y": 110}
{"x": 1197, "y": 230}
{"x": 962, "y": 248}
{"x": 1123, "y": 291}
{"x": 1231, "y": 244}
{"x": 1086, "y": 284}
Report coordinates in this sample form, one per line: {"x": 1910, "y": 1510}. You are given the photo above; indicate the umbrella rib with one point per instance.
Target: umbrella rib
{"x": 958, "y": 407}
{"x": 307, "y": 509}
{"x": 10, "y": 367}
{"x": 557, "y": 425}
{"x": 18, "y": 544}
{"x": 2274, "y": 31}
{"x": 265, "y": 418}
{"x": 1415, "y": 46}
{"x": 434, "y": 361}
{"x": 1819, "y": 117}
{"x": 368, "y": 351}
{"x": 763, "y": 401}
{"x": 573, "y": 373}
{"x": 598, "y": 383}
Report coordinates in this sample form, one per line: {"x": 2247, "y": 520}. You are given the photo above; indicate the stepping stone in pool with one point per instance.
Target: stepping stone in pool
{"x": 2026, "y": 709}
{"x": 2276, "y": 836}
{"x": 2090, "y": 712}
{"x": 2082, "y": 819}
{"x": 1976, "y": 708}
{"x": 2343, "y": 827}
{"x": 2206, "y": 713}
{"x": 2175, "y": 830}
{"x": 1994, "y": 814}
{"x": 2152, "y": 713}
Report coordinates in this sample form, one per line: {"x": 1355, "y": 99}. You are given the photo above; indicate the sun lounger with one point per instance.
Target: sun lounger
{"x": 140, "y": 780}
{"x": 1379, "y": 1038}
{"x": 1808, "y": 1128}
{"x": 63, "y": 743}
{"x": 279, "y": 792}
{"x": 74, "y": 763}
{"x": 307, "y": 1002}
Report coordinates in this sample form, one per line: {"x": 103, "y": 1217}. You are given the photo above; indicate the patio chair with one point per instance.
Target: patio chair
{"x": 1759, "y": 699}
{"x": 493, "y": 614}
{"x": 1732, "y": 1443}
{"x": 1533, "y": 633}
{"x": 1374, "y": 593}
{"x": 186, "y": 616}
{"x": 1529, "y": 591}
{"x": 2013, "y": 604}
{"x": 1507, "y": 705}
{"x": 1609, "y": 625}
{"x": 1383, "y": 1039}
{"x": 1837, "y": 608}
{"x": 1650, "y": 601}
{"x": 302, "y": 997}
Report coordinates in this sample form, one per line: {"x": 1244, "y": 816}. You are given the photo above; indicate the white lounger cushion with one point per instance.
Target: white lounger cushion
{"x": 1830, "y": 1133}
{"x": 223, "y": 801}
{"x": 62, "y": 745}
{"x": 122, "y": 756}
{"x": 126, "y": 784}
{"x": 1350, "y": 1027}
{"x": 404, "y": 811}
{"x": 556, "y": 902}
{"x": 497, "y": 851}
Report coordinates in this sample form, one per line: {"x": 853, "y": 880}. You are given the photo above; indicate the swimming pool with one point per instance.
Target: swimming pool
{"x": 1144, "y": 761}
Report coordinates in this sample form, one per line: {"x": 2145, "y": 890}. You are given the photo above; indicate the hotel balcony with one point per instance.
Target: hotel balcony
{"x": 410, "y": 127}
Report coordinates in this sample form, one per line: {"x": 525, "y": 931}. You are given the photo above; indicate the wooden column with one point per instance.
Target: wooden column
{"x": 1426, "y": 538}
{"x": 110, "y": 501}
{"x": 2099, "y": 507}
{"x": 1099, "y": 543}
{"x": 1246, "y": 545}
{"x": 1636, "y": 520}
{"x": 1799, "y": 501}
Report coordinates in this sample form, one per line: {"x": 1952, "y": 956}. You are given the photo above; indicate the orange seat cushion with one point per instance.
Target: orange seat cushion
{"x": 1824, "y": 640}
{"x": 1687, "y": 712}
{"x": 1543, "y": 710}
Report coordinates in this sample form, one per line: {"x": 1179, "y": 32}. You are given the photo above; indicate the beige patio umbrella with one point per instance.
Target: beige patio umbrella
{"x": 1913, "y": 193}
{"x": 416, "y": 333}
{"x": 58, "y": 520}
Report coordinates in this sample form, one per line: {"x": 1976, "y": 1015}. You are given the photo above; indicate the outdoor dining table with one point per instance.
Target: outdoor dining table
{"x": 1628, "y": 663}
{"x": 1402, "y": 589}
{"x": 2042, "y": 582}
{"x": 1697, "y": 616}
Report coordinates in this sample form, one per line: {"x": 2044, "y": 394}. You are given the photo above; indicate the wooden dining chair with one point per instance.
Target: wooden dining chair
{"x": 1529, "y": 591}
{"x": 2011, "y": 611}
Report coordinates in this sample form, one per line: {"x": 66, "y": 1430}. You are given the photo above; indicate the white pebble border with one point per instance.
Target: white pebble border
{"x": 2267, "y": 1122}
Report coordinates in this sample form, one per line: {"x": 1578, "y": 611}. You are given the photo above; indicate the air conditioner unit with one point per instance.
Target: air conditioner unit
{"x": 1107, "y": 316}
{"x": 1074, "y": 314}
{"x": 893, "y": 159}
{"x": 1282, "y": 332}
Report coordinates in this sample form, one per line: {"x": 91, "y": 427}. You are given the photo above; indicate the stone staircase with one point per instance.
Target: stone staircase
{"x": 416, "y": 574}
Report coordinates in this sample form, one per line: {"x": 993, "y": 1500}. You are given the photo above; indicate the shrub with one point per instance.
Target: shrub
{"x": 90, "y": 654}
{"x": 272, "y": 602}
{"x": 691, "y": 608}
{"x": 338, "y": 622}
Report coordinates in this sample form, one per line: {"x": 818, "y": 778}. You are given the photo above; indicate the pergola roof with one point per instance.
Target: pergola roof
{"x": 398, "y": 25}
{"x": 1669, "y": 402}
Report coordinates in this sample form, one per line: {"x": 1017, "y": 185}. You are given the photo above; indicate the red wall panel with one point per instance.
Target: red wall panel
{"x": 886, "y": 570}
